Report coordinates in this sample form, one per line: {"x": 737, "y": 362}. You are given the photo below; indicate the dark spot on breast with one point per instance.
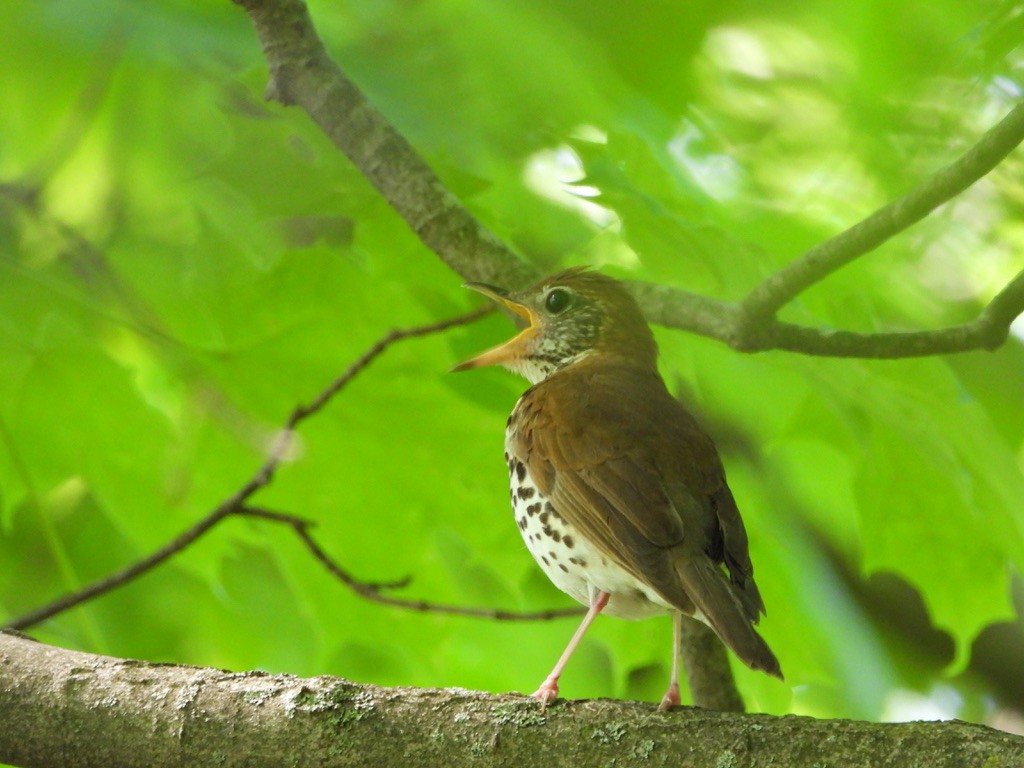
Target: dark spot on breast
{"x": 553, "y": 555}
{"x": 544, "y": 560}
{"x": 546, "y": 530}
{"x": 522, "y": 523}
{"x": 567, "y": 540}
{"x": 525, "y": 492}
{"x": 533, "y": 509}
{"x": 562, "y": 566}
{"x": 578, "y": 561}
{"x": 549, "y": 507}
{"x": 556, "y": 536}
{"x": 543, "y": 518}
{"x": 520, "y": 471}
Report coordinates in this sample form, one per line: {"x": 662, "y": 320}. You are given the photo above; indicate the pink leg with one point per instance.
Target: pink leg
{"x": 671, "y": 697}
{"x": 549, "y": 688}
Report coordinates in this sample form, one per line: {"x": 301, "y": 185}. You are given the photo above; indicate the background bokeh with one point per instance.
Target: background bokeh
{"x": 182, "y": 263}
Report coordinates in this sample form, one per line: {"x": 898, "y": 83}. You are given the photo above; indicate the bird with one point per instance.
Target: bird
{"x": 620, "y": 496}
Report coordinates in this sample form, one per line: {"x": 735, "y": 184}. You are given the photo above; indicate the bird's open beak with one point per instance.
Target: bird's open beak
{"x": 512, "y": 348}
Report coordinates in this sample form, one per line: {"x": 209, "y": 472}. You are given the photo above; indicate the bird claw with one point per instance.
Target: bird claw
{"x": 547, "y": 693}
{"x": 670, "y": 700}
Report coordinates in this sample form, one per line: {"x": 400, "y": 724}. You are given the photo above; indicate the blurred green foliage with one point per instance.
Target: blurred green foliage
{"x": 181, "y": 264}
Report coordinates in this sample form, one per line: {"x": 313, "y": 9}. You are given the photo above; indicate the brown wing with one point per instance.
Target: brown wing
{"x": 624, "y": 463}
{"x": 630, "y": 468}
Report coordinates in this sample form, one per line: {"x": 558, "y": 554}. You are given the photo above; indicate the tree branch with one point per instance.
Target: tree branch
{"x": 708, "y": 674}
{"x": 729, "y": 323}
{"x": 78, "y": 710}
{"x": 236, "y": 505}
{"x": 827, "y": 257}
{"x": 302, "y": 74}
{"x": 373, "y": 591}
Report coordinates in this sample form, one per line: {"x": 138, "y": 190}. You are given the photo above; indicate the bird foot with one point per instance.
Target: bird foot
{"x": 547, "y": 693}
{"x": 671, "y": 698}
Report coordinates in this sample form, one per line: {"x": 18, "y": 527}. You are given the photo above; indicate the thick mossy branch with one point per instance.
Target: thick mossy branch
{"x": 72, "y": 709}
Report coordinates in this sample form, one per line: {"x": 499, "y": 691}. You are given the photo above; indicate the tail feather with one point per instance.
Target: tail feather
{"x": 715, "y": 597}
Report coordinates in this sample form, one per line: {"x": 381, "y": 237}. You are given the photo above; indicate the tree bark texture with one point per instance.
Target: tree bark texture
{"x": 65, "y": 708}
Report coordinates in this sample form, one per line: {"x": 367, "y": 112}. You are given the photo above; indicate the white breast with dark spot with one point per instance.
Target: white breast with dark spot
{"x": 570, "y": 561}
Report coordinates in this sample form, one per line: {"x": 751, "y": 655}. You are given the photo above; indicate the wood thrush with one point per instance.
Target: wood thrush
{"x": 620, "y": 496}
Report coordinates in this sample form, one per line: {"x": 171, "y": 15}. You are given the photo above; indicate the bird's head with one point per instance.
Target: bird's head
{"x": 570, "y": 316}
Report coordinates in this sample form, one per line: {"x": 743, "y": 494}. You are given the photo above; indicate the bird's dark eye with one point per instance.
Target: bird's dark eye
{"x": 557, "y": 301}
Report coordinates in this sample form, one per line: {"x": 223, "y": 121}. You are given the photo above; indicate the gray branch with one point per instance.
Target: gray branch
{"x": 730, "y": 322}
{"x": 61, "y": 707}
{"x": 889, "y": 220}
{"x": 303, "y": 74}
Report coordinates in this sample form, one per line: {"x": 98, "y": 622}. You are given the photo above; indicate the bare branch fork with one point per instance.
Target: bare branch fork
{"x": 237, "y": 505}
{"x": 303, "y": 74}
{"x": 373, "y": 591}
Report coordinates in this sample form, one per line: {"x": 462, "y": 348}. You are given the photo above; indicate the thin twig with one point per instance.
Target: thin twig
{"x": 372, "y": 590}
{"x": 827, "y": 257}
{"x": 987, "y": 331}
{"x": 123, "y": 576}
{"x": 373, "y": 352}
{"x": 236, "y": 501}
{"x": 726, "y": 322}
